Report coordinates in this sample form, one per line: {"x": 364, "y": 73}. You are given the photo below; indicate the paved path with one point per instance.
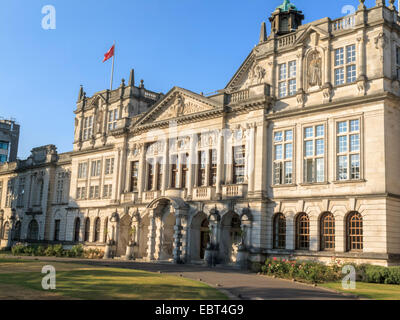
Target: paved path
{"x": 240, "y": 284}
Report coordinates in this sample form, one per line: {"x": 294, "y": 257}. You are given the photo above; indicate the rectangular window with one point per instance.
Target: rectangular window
{"x": 60, "y": 190}
{"x": 21, "y": 192}
{"x": 185, "y": 170}
{"x": 96, "y": 168}
{"x": 345, "y": 60}
{"x": 10, "y": 193}
{"x": 287, "y": 79}
{"x": 81, "y": 193}
{"x": 134, "y": 175}
{"x": 159, "y": 174}
{"x": 283, "y": 157}
{"x": 314, "y": 154}
{"x": 174, "y": 172}
{"x": 150, "y": 174}
{"x": 107, "y": 190}
{"x": 112, "y": 119}
{"x": 202, "y": 168}
{"x": 348, "y": 150}
{"x": 213, "y": 167}
{"x": 239, "y": 157}
{"x": 109, "y": 167}
{"x": 82, "y": 171}
{"x": 87, "y": 128}
{"x": 94, "y": 192}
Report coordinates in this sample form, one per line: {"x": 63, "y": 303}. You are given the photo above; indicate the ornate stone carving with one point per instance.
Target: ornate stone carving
{"x": 301, "y": 98}
{"x": 256, "y": 74}
{"x": 327, "y": 92}
{"x": 155, "y": 148}
{"x": 314, "y": 69}
{"x": 361, "y": 85}
{"x": 181, "y": 107}
{"x": 380, "y": 43}
{"x": 136, "y": 149}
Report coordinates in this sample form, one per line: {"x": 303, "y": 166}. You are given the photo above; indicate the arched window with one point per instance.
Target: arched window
{"x": 6, "y": 230}
{"x": 77, "y": 228}
{"x": 106, "y": 230}
{"x": 303, "y": 232}
{"x": 235, "y": 229}
{"x": 17, "y": 233}
{"x": 354, "y": 232}
{"x": 279, "y": 231}
{"x": 97, "y": 230}
{"x": 327, "y": 231}
{"x": 87, "y": 230}
{"x": 33, "y": 230}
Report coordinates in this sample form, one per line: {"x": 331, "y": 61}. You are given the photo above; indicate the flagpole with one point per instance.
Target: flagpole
{"x": 112, "y": 69}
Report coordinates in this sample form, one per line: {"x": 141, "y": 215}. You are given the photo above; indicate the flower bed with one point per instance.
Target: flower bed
{"x": 315, "y": 272}
{"x": 57, "y": 251}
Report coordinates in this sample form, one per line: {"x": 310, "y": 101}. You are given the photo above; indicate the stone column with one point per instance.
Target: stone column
{"x": 152, "y": 234}
{"x": 158, "y": 237}
{"x": 221, "y": 161}
{"x": 165, "y": 167}
{"x": 184, "y": 239}
{"x": 190, "y": 164}
{"x": 177, "y": 238}
{"x": 251, "y": 142}
{"x": 142, "y": 173}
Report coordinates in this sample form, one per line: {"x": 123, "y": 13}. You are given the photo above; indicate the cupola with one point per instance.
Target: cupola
{"x": 286, "y": 18}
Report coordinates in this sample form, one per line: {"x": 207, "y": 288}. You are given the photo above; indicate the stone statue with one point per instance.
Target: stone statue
{"x": 314, "y": 70}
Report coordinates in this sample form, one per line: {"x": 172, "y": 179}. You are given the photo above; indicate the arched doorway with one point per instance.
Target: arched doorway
{"x": 230, "y": 236}
{"x": 123, "y": 235}
{"x": 166, "y": 225}
{"x": 199, "y": 236}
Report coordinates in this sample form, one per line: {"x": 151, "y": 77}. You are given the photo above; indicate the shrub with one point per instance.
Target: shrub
{"x": 18, "y": 250}
{"x": 393, "y": 275}
{"x": 76, "y": 251}
{"x": 94, "y": 254}
{"x": 376, "y": 274}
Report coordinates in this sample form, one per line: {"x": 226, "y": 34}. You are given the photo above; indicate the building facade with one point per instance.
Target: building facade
{"x": 9, "y": 138}
{"x": 296, "y": 157}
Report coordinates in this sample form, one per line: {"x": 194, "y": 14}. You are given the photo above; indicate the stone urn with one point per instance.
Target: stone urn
{"x": 130, "y": 253}
{"x": 211, "y": 255}
{"x": 108, "y": 251}
{"x": 242, "y": 256}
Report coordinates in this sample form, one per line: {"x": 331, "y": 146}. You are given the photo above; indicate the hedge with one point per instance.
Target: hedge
{"x": 76, "y": 251}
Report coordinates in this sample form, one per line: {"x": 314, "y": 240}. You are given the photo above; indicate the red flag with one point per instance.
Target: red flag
{"x": 109, "y": 54}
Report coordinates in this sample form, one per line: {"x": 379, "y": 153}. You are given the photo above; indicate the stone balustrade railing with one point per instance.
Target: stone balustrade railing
{"x": 343, "y": 23}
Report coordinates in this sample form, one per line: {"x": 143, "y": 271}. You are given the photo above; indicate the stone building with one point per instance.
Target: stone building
{"x": 9, "y": 137}
{"x": 296, "y": 157}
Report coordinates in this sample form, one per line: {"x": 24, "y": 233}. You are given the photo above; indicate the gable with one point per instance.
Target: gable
{"x": 179, "y": 103}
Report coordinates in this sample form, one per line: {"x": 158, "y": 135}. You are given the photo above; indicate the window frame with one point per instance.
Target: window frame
{"x": 344, "y": 65}
{"x": 300, "y": 234}
{"x": 237, "y": 167}
{"x": 348, "y": 154}
{"x": 314, "y": 157}
{"x": 279, "y": 237}
{"x": 327, "y": 240}
{"x": 287, "y": 80}
{"x": 281, "y": 163}
{"x": 349, "y": 241}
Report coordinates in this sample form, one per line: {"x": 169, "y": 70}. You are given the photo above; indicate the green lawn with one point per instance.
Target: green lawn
{"x": 20, "y": 279}
{"x": 369, "y": 290}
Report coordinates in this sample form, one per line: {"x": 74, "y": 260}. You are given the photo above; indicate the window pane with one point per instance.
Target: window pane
{"x": 339, "y": 57}
{"x": 282, "y": 89}
{"x": 354, "y": 125}
{"x": 342, "y": 127}
{"x": 292, "y": 87}
{"x": 355, "y": 142}
{"x": 292, "y": 69}
{"x": 320, "y": 170}
{"x": 288, "y": 135}
{"x": 355, "y": 167}
{"x": 282, "y": 71}
{"x": 320, "y": 147}
{"x": 342, "y": 144}
{"x": 288, "y": 151}
{"x": 278, "y": 152}
{"x": 308, "y": 132}
{"x": 351, "y": 74}
{"x": 278, "y": 137}
{"x": 339, "y": 76}
{"x": 342, "y": 168}
{"x": 351, "y": 53}
{"x": 320, "y": 131}
{"x": 309, "y": 148}
{"x": 288, "y": 172}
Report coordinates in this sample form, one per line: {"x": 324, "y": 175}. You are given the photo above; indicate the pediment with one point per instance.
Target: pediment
{"x": 311, "y": 34}
{"x": 179, "y": 103}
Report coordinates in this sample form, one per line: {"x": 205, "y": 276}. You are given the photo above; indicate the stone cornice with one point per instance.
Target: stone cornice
{"x": 91, "y": 150}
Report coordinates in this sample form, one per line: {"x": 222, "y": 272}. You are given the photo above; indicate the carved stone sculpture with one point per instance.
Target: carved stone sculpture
{"x": 314, "y": 70}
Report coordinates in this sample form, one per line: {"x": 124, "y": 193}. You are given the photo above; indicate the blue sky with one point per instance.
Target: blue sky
{"x": 197, "y": 45}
